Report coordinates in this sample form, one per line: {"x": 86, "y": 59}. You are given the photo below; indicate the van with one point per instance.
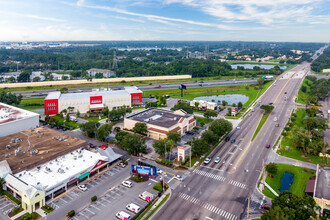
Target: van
{"x": 123, "y": 215}
{"x": 133, "y": 207}
{"x": 146, "y": 196}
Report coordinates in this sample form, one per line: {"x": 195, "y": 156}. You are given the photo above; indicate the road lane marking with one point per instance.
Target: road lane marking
{"x": 170, "y": 179}
{"x": 153, "y": 180}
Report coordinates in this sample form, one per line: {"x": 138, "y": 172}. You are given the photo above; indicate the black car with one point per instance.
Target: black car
{"x": 52, "y": 126}
{"x": 150, "y": 84}
{"x": 227, "y": 138}
{"x": 190, "y": 132}
{"x": 44, "y": 123}
{"x": 64, "y": 129}
{"x": 58, "y": 127}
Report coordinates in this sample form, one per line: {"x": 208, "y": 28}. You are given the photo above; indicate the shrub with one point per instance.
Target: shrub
{"x": 15, "y": 210}
{"x": 196, "y": 128}
{"x": 94, "y": 198}
{"x": 71, "y": 213}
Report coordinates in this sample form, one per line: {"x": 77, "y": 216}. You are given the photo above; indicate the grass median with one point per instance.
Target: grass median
{"x": 159, "y": 205}
{"x": 261, "y": 123}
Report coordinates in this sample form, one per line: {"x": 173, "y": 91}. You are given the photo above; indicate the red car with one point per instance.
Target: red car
{"x": 91, "y": 145}
{"x": 268, "y": 146}
{"x": 159, "y": 86}
{"x": 103, "y": 146}
{"x": 266, "y": 206}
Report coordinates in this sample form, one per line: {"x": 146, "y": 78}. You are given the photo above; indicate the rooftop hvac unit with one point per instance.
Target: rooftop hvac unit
{"x": 60, "y": 170}
{"x": 80, "y": 156}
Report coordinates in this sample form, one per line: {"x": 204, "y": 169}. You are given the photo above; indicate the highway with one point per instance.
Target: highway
{"x": 196, "y": 84}
{"x": 221, "y": 191}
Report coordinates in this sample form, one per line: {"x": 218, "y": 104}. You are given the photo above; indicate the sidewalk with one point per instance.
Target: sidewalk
{"x": 156, "y": 204}
{"x": 18, "y": 215}
{"x": 271, "y": 189}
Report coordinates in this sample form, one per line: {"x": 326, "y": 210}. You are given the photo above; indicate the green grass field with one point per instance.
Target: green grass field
{"x": 31, "y": 103}
{"x": 203, "y": 120}
{"x": 301, "y": 175}
{"x": 287, "y": 148}
{"x": 301, "y": 98}
{"x": 95, "y": 119}
{"x": 261, "y": 123}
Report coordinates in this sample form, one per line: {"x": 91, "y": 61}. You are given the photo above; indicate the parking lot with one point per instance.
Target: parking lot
{"x": 73, "y": 195}
{"x": 6, "y": 206}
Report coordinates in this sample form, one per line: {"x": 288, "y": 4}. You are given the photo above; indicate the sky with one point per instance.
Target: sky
{"x": 182, "y": 20}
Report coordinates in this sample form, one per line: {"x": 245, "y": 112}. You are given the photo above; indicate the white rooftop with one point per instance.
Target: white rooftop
{"x": 55, "y": 172}
{"x": 53, "y": 95}
{"x": 10, "y": 113}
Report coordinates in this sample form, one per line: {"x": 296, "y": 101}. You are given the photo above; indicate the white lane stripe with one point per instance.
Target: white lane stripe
{"x": 221, "y": 212}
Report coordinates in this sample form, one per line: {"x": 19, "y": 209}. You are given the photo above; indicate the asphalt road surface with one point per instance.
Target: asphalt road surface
{"x": 43, "y": 93}
{"x": 221, "y": 191}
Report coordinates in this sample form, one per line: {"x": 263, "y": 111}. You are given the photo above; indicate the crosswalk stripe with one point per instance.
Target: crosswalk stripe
{"x": 221, "y": 212}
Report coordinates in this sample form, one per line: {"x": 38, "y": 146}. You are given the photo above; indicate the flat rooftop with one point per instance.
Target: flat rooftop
{"x": 45, "y": 144}
{"x": 10, "y": 113}
{"x": 56, "y": 171}
{"x": 159, "y": 117}
{"x": 323, "y": 184}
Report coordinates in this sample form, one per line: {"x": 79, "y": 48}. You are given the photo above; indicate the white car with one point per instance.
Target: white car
{"x": 127, "y": 183}
{"x": 217, "y": 160}
{"x": 159, "y": 171}
{"x": 207, "y": 160}
{"x": 178, "y": 177}
{"x": 82, "y": 187}
{"x": 238, "y": 127}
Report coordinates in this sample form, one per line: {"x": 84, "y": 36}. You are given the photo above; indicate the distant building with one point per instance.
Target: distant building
{"x": 161, "y": 121}
{"x": 202, "y": 104}
{"x": 13, "y": 120}
{"x": 5, "y": 76}
{"x": 57, "y": 77}
{"x": 106, "y": 73}
{"x": 98, "y": 99}
{"x": 37, "y": 74}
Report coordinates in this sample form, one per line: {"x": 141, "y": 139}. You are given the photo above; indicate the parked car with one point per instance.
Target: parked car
{"x": 178, "y": 177}
{"x": 133, "y": 208}
{"x": 82, "y": 187}
{"x": 91, "y": 145}
{"x": 121, "y": 164}
{"x": 127, "y": 183}
{"x": 233, "y": 140}
{"x": 268, "y": 146}
{"x": 207, "y": 160}
{"x": 103, "y": 146}
{"x": 266, "y": 206}
{"x": 217, "y": 160}
{"x": 123, "y": 215}
{"x": 253, "y": 110}
{"x": 44, "y": 123}
{"x": 52, "y": 126}
{"x": 190, "y": 132}
{"x": 58, "y": 127}
{"x": 159, "y": 171}
{"x": 64, "y": 129}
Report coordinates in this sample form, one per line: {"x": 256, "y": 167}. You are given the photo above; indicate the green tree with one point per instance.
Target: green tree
{"x": 210, "y": 137}
{"x": 268, "y": 108}
{"x": 103, "y": 131}
{"x": 90, "y": 128}
{"x": 67, "y": 118}
{"x": 174, "y": 135}
{"x": 24, "y": 76}
{"x": 9, "y": 98}
{"x": 70, "y": 108}
{"x": 159, "y": 146}
{"x": 229, "y": 111}
{"x": 64, "y": 90}
{"x": 78, "y": 113}
{"x": 199, "y": 146}
{"x": 240, "y": 104}
{"x": 224, "y": 103}
{"x": 196, "y": 105}
{"x": 261, "y": 81}
{"x": 2, "y": 182}
{"x": 162, "y": 100}
{"x": 184, "y": 106}
{"x": 271, "y": 168}
{"x": 98, "y": 75}
{"x": 209, "y": 113}
{"x": 133, "y": 144}
{"x": 220, "y": 126}
{"x": 290, "y": 206}
{"x": 36, "y": 79}
{"x": 140, "y": 128}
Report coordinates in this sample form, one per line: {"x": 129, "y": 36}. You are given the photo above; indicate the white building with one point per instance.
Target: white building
{"x": 106, "y": 73}
{"x": 98, "y": 99}
{"x": 202, "y": 104}
{"x": 14, "y": 120}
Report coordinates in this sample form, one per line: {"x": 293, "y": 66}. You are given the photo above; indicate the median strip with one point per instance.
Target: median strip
{"x": 261, "y": 123}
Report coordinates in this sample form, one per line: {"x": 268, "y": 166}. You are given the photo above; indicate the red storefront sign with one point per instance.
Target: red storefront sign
{"x": 95, "y": 100}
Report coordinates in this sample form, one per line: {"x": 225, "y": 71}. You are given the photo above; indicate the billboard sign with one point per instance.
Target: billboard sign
{"x": 143, "y": 170}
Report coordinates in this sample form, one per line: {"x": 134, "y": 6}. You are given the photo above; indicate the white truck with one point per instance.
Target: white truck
{"x": 147, "y": 196}
{"x": 133, "y": 207}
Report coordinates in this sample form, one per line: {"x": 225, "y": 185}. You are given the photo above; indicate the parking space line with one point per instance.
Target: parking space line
{"x": 5, "y": 206}
{"x": 90, "y": 211}
{"x": 63, "y": 200}
{"x": 96, "y": 207}
{"x": 69, "y": 196}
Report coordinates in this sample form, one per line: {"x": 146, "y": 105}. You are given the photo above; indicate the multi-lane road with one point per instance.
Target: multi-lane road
{"x": 43, "y": 93}
{"x": 221, "y": 191}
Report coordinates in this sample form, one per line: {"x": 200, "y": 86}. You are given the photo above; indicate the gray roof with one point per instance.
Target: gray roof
{"x": 112, "y": 156}
{"x": 53, "y": 95}
{"x": 96, "y": 93}
{"x": 4, "y": 169}
{"x": 160, "y": 117}
{"x": 323, "y": 184}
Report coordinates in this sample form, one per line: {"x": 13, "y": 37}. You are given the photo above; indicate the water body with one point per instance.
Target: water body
{"x": 149, "y": 48}
{"x": 250, "y": 66}
{"x": 230, "y": 98}
{"x": 286, "y": 181}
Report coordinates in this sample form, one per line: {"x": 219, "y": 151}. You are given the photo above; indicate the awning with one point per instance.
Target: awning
{"x": 96, "y": 106}
{"x": 83, "y": 175}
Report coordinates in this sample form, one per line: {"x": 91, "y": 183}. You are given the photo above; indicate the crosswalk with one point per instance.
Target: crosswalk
{"x": 208, "y": 206}
{"x": 238, "y": 184}
{"x": 210, "y": 175}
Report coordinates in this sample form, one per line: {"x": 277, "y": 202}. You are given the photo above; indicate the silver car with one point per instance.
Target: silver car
{"x": 217, "y": 160}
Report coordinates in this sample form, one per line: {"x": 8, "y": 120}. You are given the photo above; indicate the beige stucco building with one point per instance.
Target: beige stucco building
{"x": 161, "y": 121}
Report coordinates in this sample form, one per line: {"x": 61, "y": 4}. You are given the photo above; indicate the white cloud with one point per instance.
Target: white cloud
{"x": 38, "y": 17}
